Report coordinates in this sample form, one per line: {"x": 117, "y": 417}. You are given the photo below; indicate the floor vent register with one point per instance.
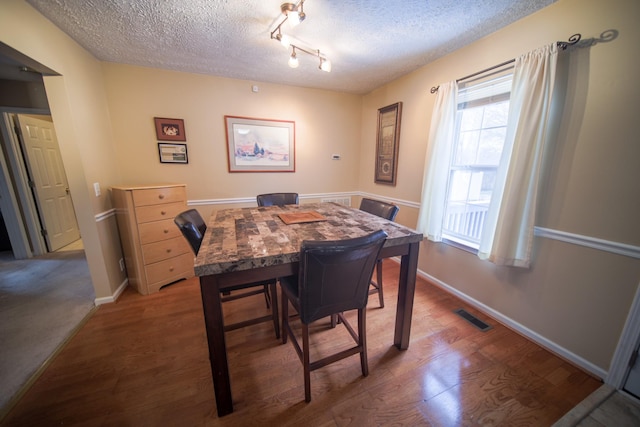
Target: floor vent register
{"x": 472, "y": 319}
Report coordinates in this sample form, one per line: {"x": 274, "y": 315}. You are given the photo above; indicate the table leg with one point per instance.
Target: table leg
{"x": 406, "y": 292}
{"x": 214, "y": 324}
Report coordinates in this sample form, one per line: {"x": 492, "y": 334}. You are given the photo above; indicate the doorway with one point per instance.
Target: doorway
{"x": 35, "y": 203}
{"x": 40, "y": 182}
{"x": 36, "y": 220}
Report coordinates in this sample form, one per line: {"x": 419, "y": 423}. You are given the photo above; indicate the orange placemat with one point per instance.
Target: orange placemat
{"x": 301, "y": 217}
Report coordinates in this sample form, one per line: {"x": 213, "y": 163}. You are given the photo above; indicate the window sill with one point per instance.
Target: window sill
{"x": 460, "y": 245}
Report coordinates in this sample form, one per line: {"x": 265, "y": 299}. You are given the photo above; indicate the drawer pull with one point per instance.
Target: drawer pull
{"x": 170, "y": 268}
{"x": 166, "y": 231}
{"x": 161, "y": 196}
{"x": 169, "y": 251}
{"x": 163, "y": 212}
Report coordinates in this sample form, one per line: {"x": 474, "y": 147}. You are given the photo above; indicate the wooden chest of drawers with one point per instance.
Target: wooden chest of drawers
{"x": 155, "y": 252}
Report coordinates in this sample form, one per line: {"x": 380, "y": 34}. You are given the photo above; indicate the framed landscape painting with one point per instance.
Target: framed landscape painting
{"x": 260, "y": 145}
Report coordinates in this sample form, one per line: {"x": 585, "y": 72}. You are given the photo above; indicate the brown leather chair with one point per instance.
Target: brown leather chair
{"x": 277, "y": 199}
{"x": 193, "y": 228}
{"x": 386, "y": 211}
{"x": 333, "y": 278}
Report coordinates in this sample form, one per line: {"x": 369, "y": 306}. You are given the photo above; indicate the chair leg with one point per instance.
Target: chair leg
{"x": 362, "y": 340}
{"x": 274, "y": 308}
{"x": 267, "y": 297}
{"x": 285, "y": 317}
{"x": 305, "y": 363}
{"x": 379, "y": 278}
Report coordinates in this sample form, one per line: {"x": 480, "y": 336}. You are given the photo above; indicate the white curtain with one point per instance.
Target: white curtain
{"x": 437, "y": 163}
{"x": 507, "y": 236}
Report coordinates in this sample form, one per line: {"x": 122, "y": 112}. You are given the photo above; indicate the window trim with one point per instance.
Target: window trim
{"x": 498, "y": 76}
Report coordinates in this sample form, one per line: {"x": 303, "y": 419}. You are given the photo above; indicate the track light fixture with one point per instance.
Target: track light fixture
{"x": 294, "y": 14}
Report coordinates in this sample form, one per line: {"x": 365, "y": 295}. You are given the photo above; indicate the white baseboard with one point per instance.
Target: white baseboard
{"x": 114, "y": 297}
{"x": 521, "y": 329}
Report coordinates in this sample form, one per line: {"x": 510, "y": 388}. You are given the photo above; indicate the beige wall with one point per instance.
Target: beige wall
{"x": 326, "y": 123}
{"x": 577, "y": 298}
{"x": 573, "y": 298}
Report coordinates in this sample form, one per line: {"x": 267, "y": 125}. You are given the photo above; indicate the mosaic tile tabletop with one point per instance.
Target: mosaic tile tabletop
{"x": 245, "y": 238}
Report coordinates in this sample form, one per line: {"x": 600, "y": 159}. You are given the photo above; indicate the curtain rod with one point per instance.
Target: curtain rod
{"x": 561, "y": 44}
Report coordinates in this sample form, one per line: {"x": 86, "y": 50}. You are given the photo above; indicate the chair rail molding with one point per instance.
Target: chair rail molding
{"x": 252, "y": 199}
{"x": 399, "y": 202}
{"x": 104, "y": 215}
{"x": 589, "y": 242}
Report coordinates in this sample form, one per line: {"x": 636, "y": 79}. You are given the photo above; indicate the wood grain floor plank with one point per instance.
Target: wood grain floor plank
{"x": 144, "y": 361}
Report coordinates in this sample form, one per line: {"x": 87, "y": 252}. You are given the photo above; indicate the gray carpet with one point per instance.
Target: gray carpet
{"x": 42, "y": 301}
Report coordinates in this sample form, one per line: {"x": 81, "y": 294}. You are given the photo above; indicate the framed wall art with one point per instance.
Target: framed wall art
{"x": 173, "y": 153}
{"x": 387, "y": 144}
{"x": 260, "y": 145}
{"x": 170, "y": 129}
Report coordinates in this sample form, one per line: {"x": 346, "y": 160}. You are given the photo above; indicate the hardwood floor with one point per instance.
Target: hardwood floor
{"x": 143, "y": 361}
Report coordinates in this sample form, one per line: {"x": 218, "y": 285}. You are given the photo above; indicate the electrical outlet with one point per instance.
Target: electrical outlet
{"x": 121, "y": 264}
{"x": 96, "y": 188}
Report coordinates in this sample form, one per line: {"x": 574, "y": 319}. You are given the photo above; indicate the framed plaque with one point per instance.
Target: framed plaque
{"x": 387, "y": 144}
{"x": 172, "y": 153}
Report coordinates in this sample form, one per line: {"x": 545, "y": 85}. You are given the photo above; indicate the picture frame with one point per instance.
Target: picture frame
{"x": 173, "y": 153}
{"x": 388, "y": 144}
{"x": 260, "y": 145}
{"x": 170, "y": 129}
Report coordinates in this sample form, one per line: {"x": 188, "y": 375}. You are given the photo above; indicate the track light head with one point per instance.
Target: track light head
{"x": 294, "y": 13}
{"x": 293, "y": 60}
{"x": 283, "y": 39}
{"x": 325, "y": 64}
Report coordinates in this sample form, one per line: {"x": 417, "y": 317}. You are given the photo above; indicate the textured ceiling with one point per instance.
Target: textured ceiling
{"x": 369, "y": 42}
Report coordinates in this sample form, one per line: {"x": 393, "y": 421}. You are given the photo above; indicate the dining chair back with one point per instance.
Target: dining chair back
{"x": 386, "y": 211}
{"x": 333, "y": 278}
{"x": 193, "y": 228}
{"x": 382, "y": 209}
{"x": 277, "y": 199}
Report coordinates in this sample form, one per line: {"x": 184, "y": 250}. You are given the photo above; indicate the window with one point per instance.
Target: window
{"x": 462, "y": 177}
{"x": 480, "y": 130}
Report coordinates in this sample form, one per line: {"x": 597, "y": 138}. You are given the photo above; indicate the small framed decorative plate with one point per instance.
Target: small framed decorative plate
{"x": 170, "y": 129}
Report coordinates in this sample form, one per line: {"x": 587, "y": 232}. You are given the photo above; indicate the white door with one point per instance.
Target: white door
{"x": 49, "y": 181}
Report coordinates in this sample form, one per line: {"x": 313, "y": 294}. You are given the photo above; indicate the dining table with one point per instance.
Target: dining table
{"x": 245, "y": 245}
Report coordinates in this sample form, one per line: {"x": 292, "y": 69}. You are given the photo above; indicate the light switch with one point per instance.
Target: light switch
{"x": 96, "y": 188}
